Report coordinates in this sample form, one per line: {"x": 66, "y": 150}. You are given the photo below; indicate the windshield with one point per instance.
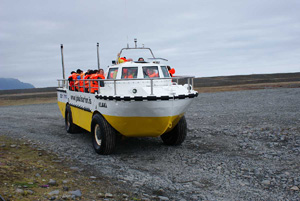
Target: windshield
{"x": 129, "y": 72}
{"x": 112, "y": 73}
{"x": 150, "y": 71}
{"x": 165, "y": 71}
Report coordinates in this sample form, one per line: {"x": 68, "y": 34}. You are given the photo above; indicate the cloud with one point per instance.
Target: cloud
{"x": 202, "y": 38}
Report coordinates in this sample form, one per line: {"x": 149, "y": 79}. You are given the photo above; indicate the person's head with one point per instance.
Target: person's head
{"x": 168, "y": 67}
{"x": 101, "y": 71}
{"x": 73, "y": 72}
{"x": 141, "y": 59}
{"x": 79, "y": 71}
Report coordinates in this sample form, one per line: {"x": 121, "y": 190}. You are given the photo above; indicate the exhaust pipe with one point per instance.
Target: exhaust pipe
{"x": 62, "y": 61}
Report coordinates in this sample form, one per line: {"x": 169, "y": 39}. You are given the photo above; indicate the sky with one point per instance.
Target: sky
{"x": 199, "y": 37}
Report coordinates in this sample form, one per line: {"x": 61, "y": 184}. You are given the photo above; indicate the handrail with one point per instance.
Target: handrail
{"x": 64, "y": 83}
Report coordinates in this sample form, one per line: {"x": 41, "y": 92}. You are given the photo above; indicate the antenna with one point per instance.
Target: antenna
{"x": 98, "y": 58}
{"x": 135, "y": 41}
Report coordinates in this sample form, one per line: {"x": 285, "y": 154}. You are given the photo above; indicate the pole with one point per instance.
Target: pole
{"x": 98, "y": 56}
{"x": 62, "y": 61}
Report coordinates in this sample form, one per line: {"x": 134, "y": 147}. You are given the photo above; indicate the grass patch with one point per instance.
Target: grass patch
{"x": 25, "y": 172}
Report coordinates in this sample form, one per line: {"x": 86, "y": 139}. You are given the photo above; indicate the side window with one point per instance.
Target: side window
{"x": 150, "y": 71}
{"x": 165, "y": 71}
{"x": 112, "y": 73}
{"x": 129, "y": 72}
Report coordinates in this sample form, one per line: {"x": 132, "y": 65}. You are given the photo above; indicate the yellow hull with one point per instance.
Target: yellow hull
{"x": 127, "y": 126}
{"x": 143, "y": 126}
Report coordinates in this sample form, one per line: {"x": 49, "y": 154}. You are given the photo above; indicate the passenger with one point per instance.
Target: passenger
{"x": 171, "y": 71}
{"x": 78, "y": 72}
{"x": 92, "y": 83}
{"x": 101, "y": 73}
{"x": 101, "y": 76}
{"x": 141, "y": 59}
{"x": 98, "y": 75}
{"x": 152, "y": 73}
{"x": 71, "y": 80}
{"x": 122, "y": 60}
{"x": 78, "y": 83}
{"x": 125, "y": 73}
{"x": 86, "y": 82}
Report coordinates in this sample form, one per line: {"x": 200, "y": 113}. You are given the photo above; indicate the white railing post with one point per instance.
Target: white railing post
{"x": 189, "y": 83}
{"x": 151, "y": 87}
{"x": 115, "y": 88}
{"x": 98, "y": 86}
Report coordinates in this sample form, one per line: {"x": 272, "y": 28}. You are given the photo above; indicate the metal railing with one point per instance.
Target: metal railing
{"x": 64, "y": 83}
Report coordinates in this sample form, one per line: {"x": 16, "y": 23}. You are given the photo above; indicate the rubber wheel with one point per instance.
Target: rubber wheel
{"x": 104, "y": 135}
{"x": 69, "y": 125}
{"x": 177, "y": 135}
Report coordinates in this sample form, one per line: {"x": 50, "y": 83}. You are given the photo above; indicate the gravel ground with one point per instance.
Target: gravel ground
{"x": 241, "y": 145}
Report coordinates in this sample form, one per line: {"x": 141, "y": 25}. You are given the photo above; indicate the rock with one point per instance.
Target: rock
{"x": 163, "y": 198}
{"x": 266, "y": 182}
{"x": 56, "y": 192}
{"x": 3, "y": 145}
{"x": 76, "y": 193}
{"x": 65, "y": 181}
{"x": 52, "y": 182}
{"x": 145, "y": 199}
{"x": 74, "y": 168}
{"x": 65, "y": 196}
{"x": 30, "y": 192}
{"x": 137, "y": 184}
{"x": 295, "y": 188}
{"x": 108, "y": 195}
{"x": 125, "y": 196}
{"x": 65, "y": 188}
{"x": 160, "y": 191}
{"x": 101, "y": 195}
{"x": 13, "y": 146}
{"x": 19, "y": 191}
{"x": 93, "y": 177}
{"x": 53, "y": 198}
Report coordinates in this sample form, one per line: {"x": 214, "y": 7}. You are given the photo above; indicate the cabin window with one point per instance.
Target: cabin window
{"x": 129, "y": 72}
{"x": 150, "y": 71}
{"x": 112, "y": 73}
{"x": 165, "y": 71}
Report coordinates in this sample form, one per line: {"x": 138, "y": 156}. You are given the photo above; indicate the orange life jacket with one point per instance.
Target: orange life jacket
{"x": 72, "y": 82}
{"x": 153, "y": 75}
{"x": 172, "y": 71}
{"x": 79, "y": 84}
{"x": 86, "y": 82}
{"x": 94, "y": 84}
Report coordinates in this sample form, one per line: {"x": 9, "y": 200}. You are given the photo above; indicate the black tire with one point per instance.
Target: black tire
{"x": 104, "y": 135}
{"x": 69, "y": 125}
{"x": 177, "y": 135}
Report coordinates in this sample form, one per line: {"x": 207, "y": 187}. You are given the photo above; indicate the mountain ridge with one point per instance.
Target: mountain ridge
{"x": 12, "y": 83}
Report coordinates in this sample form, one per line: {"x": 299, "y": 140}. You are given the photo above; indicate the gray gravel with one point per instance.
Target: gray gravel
{"x": 241, "y": 146}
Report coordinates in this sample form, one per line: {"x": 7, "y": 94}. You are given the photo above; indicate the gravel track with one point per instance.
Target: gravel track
{"x": 241, "y": 145}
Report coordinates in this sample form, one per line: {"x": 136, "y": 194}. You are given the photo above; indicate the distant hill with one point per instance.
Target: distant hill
{"x": 11, "y": 83}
